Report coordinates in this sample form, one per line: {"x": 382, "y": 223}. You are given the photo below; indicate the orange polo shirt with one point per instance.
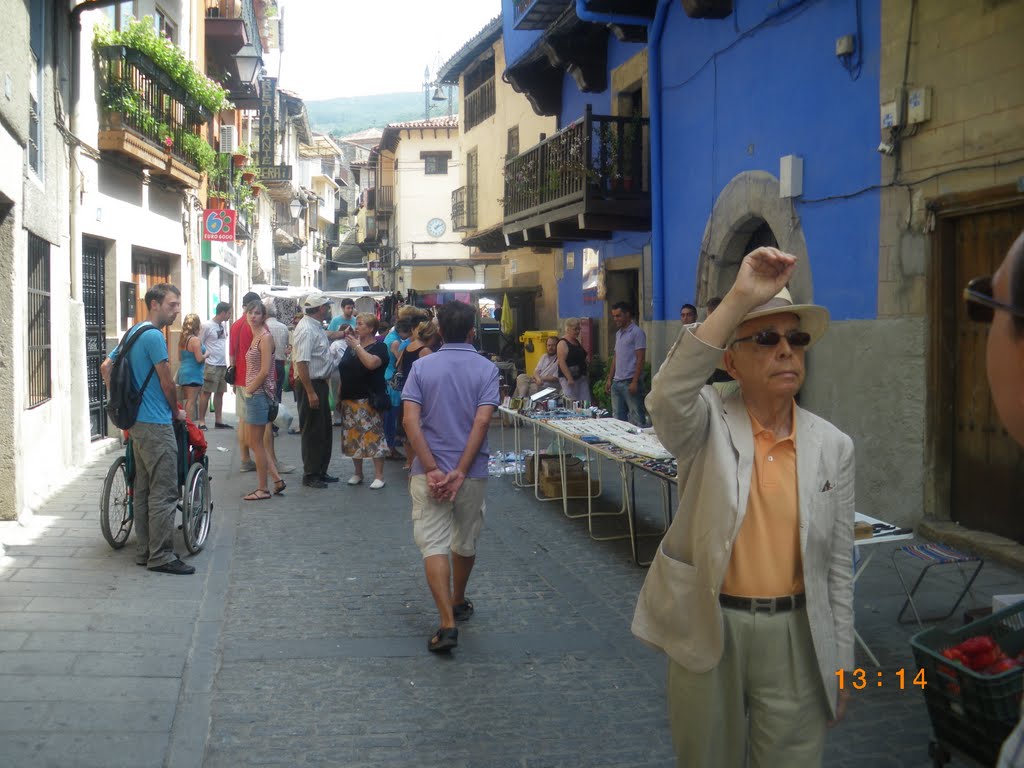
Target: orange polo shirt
{"x": 766, "y": 558}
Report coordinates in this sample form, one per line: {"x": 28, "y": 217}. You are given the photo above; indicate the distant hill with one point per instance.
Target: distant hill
{"x": 351, "y": 114}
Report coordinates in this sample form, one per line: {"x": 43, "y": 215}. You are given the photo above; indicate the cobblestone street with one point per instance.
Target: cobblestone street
{"x": 301, "y": 640}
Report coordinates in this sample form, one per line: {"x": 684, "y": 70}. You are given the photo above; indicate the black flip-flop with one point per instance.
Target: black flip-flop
{"x": 443, "y": 640}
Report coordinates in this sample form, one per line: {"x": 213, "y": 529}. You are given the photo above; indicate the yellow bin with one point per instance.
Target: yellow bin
{"x": 534, "y": 345}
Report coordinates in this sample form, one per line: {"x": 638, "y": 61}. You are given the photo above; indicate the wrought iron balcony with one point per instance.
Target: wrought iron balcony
{"x": 464, "y": 207}
{"x": 538, "y": 14}
{"x": 149, "y": 117}
{"x": 479, "y": 105}
{"x": 586, "y": 181}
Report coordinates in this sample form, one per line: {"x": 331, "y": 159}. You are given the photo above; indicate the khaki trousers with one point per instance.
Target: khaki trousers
{"x": 763, "y": 705}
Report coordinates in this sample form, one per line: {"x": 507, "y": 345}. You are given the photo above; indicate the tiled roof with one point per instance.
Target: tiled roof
{"x": 480, "y": 42}
{"x": 435, "y": 122}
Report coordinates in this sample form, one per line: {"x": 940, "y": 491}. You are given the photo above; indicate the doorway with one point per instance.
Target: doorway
{"x": 94, "y": 291}
{"x": 985, "y": 464}
{"x": 620, "y": 285}
{"x": 149, "y": 269}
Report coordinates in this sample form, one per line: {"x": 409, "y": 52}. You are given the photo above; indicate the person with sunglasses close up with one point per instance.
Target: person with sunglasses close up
{"x": 998, "y": 301}
{"x": 750, "y": 594}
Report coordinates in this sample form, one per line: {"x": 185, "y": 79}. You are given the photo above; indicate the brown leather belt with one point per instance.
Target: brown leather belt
{"x": 767, "y": 605}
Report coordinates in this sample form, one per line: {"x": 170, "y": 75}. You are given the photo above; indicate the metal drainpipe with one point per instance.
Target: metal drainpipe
{"x": 654, "y": 33}
{"x": 657, "y": 175}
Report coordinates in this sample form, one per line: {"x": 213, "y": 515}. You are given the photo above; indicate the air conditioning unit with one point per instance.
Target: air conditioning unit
{"x": 228, "y": 139}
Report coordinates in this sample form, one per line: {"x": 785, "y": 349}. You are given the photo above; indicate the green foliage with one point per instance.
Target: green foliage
{"x": 601, "y": 397}
{"x": 200, "y": 149}
{"x": 142, "y": 37}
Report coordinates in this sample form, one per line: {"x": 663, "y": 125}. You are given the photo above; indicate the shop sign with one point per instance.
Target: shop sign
{"x": 219, "y": 225}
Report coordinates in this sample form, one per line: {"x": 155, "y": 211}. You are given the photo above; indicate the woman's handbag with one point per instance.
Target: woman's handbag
{"x": 380, "y": 401}
{"x": 397, "y": 380}
{"x": 229, "y": 375}
{"x": 272, "y": 411}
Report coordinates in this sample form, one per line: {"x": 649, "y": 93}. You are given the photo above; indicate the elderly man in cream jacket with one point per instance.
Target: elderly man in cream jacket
{"x": 750, "y": 594}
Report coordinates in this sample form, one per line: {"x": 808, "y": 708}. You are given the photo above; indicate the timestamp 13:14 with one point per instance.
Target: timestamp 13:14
{"x": 858, "y": 679}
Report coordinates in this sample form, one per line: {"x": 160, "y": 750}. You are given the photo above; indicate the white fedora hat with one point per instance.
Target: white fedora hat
{"x": 813, "y": 319}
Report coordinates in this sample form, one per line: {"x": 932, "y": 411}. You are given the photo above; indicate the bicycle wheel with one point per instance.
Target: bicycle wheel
{"x": 196, "y": 508}
{"x": 115, "y": 505}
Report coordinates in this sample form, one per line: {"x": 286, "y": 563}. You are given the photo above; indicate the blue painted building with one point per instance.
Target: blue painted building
{"x": 736, "y": 95}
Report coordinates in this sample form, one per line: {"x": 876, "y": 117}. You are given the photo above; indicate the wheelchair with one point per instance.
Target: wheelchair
{"x": 195, "y": 499}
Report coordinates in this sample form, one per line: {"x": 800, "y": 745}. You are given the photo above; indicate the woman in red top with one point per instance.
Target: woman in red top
{"x": 259, "y": 394}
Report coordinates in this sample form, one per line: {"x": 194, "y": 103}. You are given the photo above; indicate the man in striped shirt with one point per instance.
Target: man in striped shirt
{"x": 312, "y": 361}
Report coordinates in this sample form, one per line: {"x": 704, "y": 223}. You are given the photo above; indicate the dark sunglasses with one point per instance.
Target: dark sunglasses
{"x": 981, "y": 306}
{"x": 770, "y": 338}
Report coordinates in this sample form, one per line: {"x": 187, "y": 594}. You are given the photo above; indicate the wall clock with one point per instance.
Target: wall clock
{"x": 436, "y": 227}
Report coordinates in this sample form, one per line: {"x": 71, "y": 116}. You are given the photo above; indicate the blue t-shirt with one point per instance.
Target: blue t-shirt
{"x": 391, "y": 338}
{"x": 146, "y": 352}
{"x": 337, "y": 322}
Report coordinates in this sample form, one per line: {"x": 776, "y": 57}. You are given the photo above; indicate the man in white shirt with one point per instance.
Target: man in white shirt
{"x": 311, "y": 357}
{"x": 214, "y": 337}
{"x": 544, "y": 375}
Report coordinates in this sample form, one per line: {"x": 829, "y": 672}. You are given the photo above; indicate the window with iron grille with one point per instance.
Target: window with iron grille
{"x": 39, "y": 385}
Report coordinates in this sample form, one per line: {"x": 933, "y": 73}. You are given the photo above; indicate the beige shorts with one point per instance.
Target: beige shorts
{"x": 240, "y": 404}
{"x": 213, "y": 379}
{"x": 440, "y": 526}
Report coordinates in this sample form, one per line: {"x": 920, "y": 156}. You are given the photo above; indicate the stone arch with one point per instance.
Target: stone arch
{"x": 749, "y": 201}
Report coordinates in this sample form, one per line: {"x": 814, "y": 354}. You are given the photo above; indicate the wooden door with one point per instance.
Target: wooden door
{"x": 149, "y": 269}
{"x": 986, "y": 492}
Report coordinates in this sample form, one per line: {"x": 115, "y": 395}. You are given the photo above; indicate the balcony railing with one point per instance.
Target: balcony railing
{"x": 139, "y": 96}
{"x": 385, "y": 199}
{"x": 479, "y": 104}
{"x": 538, "y": 14}
{"x": 224, "y": 9}
{"x": 598, "y": 157}
{"x": 464, "y": 205}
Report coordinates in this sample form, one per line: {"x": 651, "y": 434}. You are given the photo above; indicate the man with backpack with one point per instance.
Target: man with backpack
{"x": 148, "y": 414}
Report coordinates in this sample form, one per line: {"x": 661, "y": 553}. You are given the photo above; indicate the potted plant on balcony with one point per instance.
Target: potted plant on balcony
{"x": 216, "y": 201}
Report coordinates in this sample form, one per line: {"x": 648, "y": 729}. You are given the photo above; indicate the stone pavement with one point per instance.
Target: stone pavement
{"x": 300, "y": 642}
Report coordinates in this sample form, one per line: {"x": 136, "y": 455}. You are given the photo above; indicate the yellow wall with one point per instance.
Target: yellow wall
{"x": 968, "y": 53}
{"x": 490, "y": 139}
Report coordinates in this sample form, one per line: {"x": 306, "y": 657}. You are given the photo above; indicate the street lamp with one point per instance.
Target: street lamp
{"x": 295, "y": 206}
{"x": 247, "y": 60}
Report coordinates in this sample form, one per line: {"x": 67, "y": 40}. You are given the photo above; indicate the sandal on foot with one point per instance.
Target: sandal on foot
{"x": 279, "y": 486}
{"x": 258, "y": 495}
{"x": 443, "y": 640}
{"x": 463, "y": 611}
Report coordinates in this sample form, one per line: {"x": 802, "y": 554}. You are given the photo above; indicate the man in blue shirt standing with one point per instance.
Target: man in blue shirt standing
{"x": 448, "y": 400}
{"x": 156, "y": 449}
{"x": 347, "y": 317}
{"x": 626, "y": 372}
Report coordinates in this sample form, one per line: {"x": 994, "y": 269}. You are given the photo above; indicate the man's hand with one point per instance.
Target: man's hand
{"x": 436, "y": 483}
{"x": 448, "y": 489}
{"x": 180, "y": 415}
{"x": 314, "y": 399}
{"x": 633, "y": 386}
{"x": 762, "y": 274}
{"x": 843, "y": 700}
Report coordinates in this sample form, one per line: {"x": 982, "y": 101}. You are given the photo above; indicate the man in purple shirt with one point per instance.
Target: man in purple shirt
{"x": 449, "y": 398}
{"x": 626, "y": 372}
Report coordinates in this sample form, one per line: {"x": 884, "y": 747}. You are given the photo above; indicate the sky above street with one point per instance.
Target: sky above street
{"x": 358, "y": 47}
